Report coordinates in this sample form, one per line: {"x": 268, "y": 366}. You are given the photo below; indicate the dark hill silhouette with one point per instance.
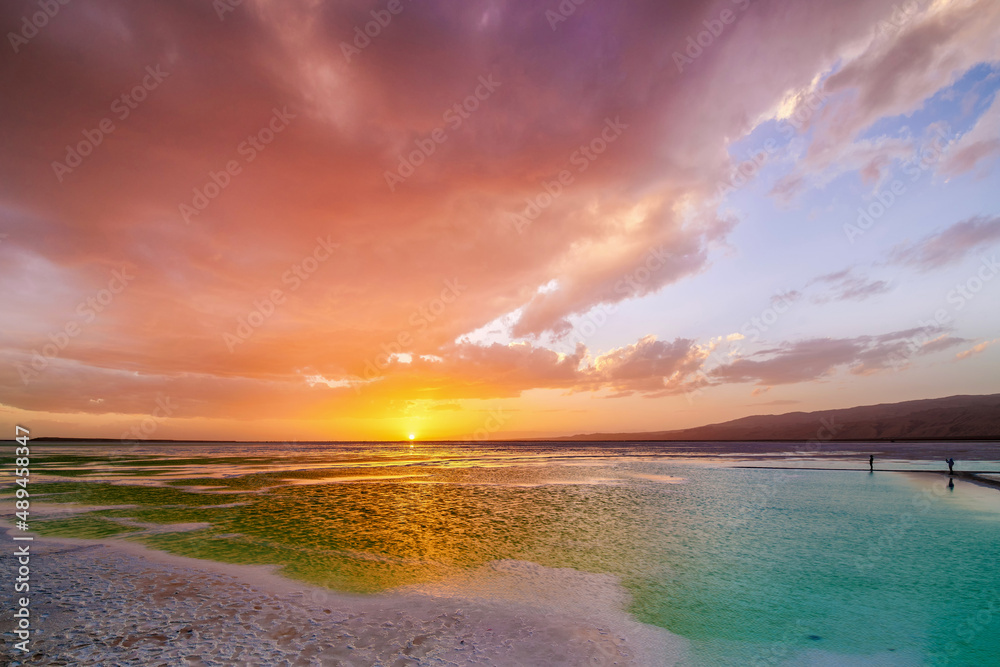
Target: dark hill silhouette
{"x": 953, "y": 418}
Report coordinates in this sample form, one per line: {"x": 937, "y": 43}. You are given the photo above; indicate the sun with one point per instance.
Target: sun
{"x": 412, "y": 436}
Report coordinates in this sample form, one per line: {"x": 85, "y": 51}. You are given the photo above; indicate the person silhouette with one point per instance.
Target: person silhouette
{"x": 871, "y": 463}
{"x": 951, "y": 465}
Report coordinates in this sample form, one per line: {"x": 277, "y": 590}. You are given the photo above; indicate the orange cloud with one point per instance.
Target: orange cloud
{"x": 280, "y": 142}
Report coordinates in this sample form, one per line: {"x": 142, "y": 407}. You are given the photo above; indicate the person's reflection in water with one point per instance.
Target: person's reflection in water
{"x": 951, "y": 484}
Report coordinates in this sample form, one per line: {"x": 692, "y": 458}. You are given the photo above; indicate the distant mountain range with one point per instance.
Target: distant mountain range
{"x": 951, "y": 418}
{"x": 954, "y": 417}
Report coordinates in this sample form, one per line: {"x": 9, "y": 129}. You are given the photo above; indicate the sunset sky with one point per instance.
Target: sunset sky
{"x": 297, "y": 219}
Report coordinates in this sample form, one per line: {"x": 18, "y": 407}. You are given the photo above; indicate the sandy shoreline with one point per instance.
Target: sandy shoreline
{"x": 115, "y": 602}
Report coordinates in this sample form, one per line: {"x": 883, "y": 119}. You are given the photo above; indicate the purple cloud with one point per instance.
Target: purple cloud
{"x": 845, "y": 286}
{"x": 818, "y": 358}
{"x": 949, "y": 246}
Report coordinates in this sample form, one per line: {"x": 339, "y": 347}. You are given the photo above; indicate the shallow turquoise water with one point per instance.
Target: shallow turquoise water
{"x": 752, "y": 566}
{"x": 837, "y": 561}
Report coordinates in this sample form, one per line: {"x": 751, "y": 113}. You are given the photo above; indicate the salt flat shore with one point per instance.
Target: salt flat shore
{"x": 117, "y": 603}
{"x": 821, "y": 449}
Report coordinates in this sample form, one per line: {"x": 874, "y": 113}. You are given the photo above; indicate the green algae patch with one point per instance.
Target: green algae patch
{"x": 84, "y": 527}
{"x": 102, "y": 493}
{"x": 342, "y": 571}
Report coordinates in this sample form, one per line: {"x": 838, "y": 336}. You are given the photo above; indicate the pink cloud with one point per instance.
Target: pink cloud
{"x": 638, "y": 217}
{"x": 949, "y": 246}
{"x": 975, "y": 349}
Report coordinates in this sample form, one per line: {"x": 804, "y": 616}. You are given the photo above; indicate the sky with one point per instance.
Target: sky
{"x": 306, "y": 220}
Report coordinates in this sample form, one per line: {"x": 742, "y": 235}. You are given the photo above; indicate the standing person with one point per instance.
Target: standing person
{"x": 871, "y": 463}
{"x": 951, "y": 465}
